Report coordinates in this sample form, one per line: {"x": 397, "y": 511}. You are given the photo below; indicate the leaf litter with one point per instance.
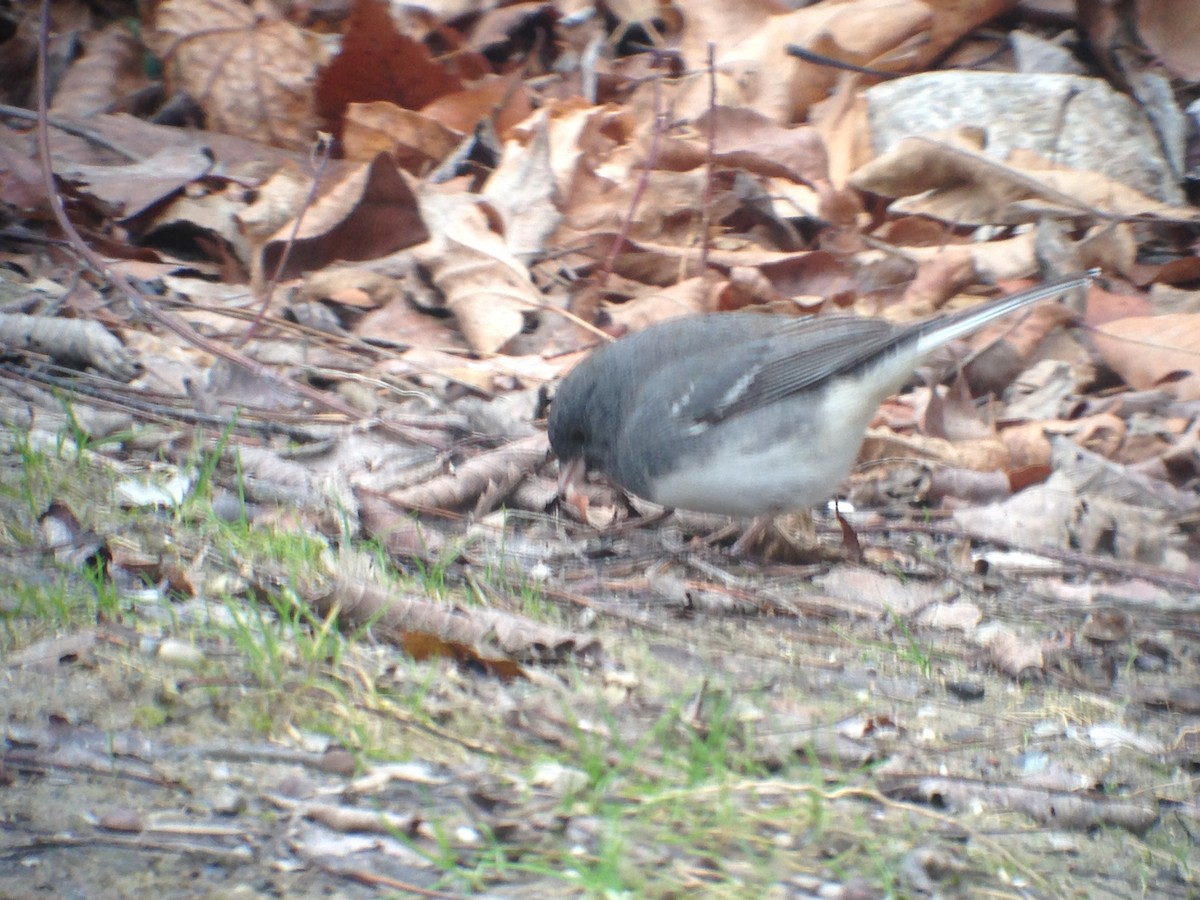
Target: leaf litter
{"x": 287, "y": 587}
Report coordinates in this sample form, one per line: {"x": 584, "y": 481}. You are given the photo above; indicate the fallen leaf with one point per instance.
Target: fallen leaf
{"x": 487, "y": 289}
{"x": 251, "y": 70}
{"x": 416, "y": 141}
{"x": 1154, "y": 352}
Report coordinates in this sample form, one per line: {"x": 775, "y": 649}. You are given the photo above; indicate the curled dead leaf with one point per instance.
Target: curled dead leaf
{"x": 1154, "y": 352}
{"x": 249, "y": 68}
{"x": 1013, "y": 655}
{"x": 485, "y": 286}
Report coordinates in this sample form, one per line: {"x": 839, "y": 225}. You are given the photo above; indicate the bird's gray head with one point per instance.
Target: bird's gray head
{"x": 569, "y": 430}
{"x": 583, "y": 418}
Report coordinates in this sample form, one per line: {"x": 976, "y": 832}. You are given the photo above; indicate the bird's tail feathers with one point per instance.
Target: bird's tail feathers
{"x": 949, "y": 328}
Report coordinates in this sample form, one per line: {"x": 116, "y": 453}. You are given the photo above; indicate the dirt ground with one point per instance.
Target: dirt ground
{"x": 718, "y": 728}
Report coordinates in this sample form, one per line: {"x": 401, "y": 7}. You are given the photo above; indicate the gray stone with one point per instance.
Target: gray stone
{"x": 1077, "y": 122}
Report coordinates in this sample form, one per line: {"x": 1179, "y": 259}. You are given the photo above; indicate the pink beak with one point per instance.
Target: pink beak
{"x": 571, "y": 475}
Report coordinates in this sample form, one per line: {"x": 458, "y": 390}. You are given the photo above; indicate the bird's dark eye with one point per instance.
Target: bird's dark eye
{"x": 578, "y": 436}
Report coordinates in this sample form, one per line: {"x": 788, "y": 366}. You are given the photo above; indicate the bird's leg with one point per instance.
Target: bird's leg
{"x": 754, "y": 531}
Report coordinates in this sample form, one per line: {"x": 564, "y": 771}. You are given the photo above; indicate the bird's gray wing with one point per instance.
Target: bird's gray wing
{"x": 765, "y": 360}
{"x": 799, "y": 355}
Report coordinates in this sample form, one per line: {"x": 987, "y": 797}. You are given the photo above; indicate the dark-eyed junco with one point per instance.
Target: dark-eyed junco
{"x": 746, "y": 414}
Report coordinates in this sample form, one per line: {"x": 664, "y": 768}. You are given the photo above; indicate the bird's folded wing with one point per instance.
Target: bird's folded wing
{"x": 799, "y": 356}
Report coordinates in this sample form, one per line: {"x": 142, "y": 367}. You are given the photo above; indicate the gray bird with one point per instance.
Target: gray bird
{"x": 745, "y": 414}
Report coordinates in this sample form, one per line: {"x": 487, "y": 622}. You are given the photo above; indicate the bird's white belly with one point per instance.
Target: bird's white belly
{"x": 742, "y": 490}
{"x": 769, "y": 472}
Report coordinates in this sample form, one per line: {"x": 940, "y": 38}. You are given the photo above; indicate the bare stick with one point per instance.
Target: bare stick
{"x": 706, "y": 208}
{"x": 660, "y": 122}
{"x": 323, "y": 149}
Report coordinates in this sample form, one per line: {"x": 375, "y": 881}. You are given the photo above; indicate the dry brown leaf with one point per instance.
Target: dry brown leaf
{"x": 402, "y": 535}
{"x": 693, "y": 296}
{"x": 1028, "y": 445}
{"x": 349, "y": 819}
{"x": 414, "y": 140}
{"x": 1154, "y": 351}
{"x": 278, "y": 200}
{"x": 504, "y": 100}
{"x": 954, "y": 18}
{"x": 1042, "y": 391}
{"x": 747, "y": 286}
{"x": 523, "y": 189}
{"x": 22, "y": 184}
{"x": 501, "y": 24}
{"x": 1057, "y": 809}
{"x": 376, "y": 62}
{"x": 883, "y": 594}
{"x": 1004, "y": 259}
{"x": 668, "y": 210}
{"x": 402, "y": 323}
{"x": 958, "y": 416}
{"x": 842, "y": 122}
{"x": 1111, "y": 246}
{"x": 425, "y": 363}
{"x": 130, "y": 189}
{"x": 964, "y": 617}
{"x": 952, "y": 180}
{"x": 1172, "y": 32}
{"x": 1105, "y": 306}
{"x": 351, "y": 287}
{"x": 744, "y": 139}
{"x": 813, "y": 273}
{"x": 1013, "y": 655}
{"x": 1088, "y": 474}
{"x": 369, "y": 213}
{"x": 250, "y": 69}
{"x": 581, "y": 136}
{"x": 1100, "y": 192}
{"x": 790, "y": 200}
{"x": 982, "y": 455}
{"x": 471, "y": 478}
{"x": 1040, "y": 516}
{"x": 439, "y": 628}
{"x": 755, "y": 70}
{"x": 1102, "y": 433}
{"x": 487, "y": 289}
{"x": 1003, "y": 350}
{"x": 27, "y": 408}
{"x": 110, "y": 71}
{"x": 47, "y": 654}
{"x": 417, "y": 639}
{"x": 1127, "y": 531}
{"x": 967, "y": 486}
{"x": 938, "y": 279}
{"x": 212, "y": 212}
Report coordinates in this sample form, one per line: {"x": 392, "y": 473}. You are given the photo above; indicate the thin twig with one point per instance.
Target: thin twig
{"x": 31, "y": 115}
{"x": 323, "y": 149}
{"x": 660, "y": 122}
{"x": 706, "y": 208}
